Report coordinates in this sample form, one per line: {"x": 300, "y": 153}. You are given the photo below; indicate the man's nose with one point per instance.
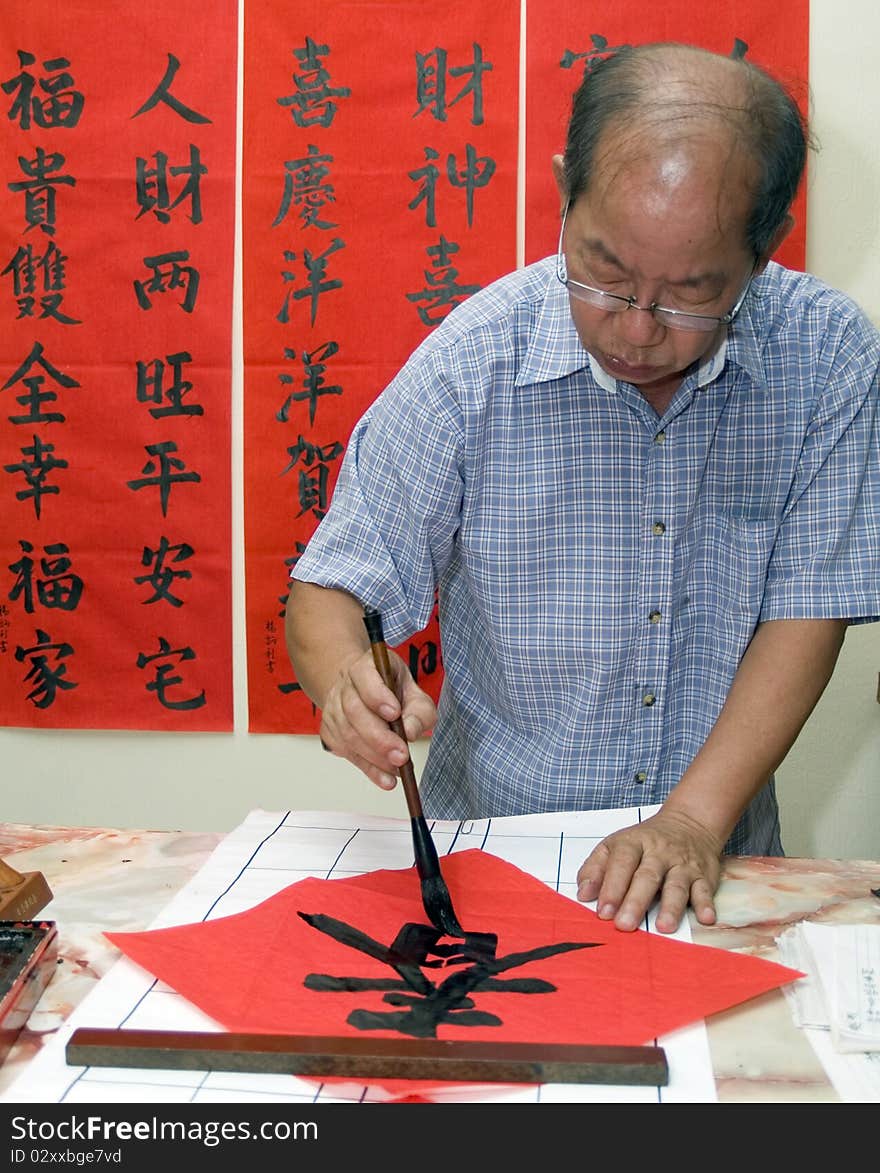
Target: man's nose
{"x": 638, "y": 325}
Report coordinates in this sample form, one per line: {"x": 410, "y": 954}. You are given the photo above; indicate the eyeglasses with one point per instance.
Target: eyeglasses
{"x": 615, "y": 303}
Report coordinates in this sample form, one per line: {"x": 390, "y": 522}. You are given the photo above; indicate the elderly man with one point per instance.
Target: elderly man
{"x": 642, "y": 477}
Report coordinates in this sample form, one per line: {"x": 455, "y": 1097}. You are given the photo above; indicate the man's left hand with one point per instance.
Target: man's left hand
{"x": 669, "y": 855}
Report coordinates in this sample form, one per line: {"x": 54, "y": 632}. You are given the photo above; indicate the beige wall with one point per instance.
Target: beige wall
{"x": 830, "y": 783}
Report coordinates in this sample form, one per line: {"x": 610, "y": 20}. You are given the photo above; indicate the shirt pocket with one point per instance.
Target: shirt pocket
{"x": 723, "y": 573}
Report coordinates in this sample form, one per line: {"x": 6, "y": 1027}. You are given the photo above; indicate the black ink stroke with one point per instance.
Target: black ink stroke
{"x": 425, "y": 1004}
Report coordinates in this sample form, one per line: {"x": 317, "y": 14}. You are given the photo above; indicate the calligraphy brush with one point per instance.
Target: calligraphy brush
{"x": 435, "y": 895}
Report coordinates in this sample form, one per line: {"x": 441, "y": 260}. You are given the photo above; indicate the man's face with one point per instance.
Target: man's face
{"x": 666, "y": 229}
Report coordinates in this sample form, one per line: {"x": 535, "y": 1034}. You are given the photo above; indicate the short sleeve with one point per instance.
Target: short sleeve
{"x": 826, "y": 560}
{"x": 394, "y": 514}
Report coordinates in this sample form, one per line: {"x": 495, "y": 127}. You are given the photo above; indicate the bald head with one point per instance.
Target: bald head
{"x": 674, "y": 102}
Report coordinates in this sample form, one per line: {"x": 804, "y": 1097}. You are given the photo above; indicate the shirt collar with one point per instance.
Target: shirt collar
{"x": 555, "y": 349}
{"x": 744, "y": 348}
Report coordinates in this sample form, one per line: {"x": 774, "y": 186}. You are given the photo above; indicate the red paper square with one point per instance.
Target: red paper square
{"x": 249, "y": 971}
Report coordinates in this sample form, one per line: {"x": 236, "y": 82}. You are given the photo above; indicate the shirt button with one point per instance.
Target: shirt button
{"x": 655, "y": 616}
{"x": 660, "y": 438}
{"x": 658, "y": 528}
{"x": 648, "y": 699}
{"x": 641, "y": 776}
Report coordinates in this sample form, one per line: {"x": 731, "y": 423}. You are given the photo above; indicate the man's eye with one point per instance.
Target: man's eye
{"x": 695, "y": 304}
{"x": 610, "y": 281}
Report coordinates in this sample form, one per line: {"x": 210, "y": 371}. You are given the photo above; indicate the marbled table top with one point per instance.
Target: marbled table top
{"x": 113, "y": 880}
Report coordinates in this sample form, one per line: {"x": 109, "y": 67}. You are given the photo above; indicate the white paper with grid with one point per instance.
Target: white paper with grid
{"x": 270, "y": 851}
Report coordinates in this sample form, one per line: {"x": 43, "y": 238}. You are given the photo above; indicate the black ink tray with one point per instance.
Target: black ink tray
{"x": 28, "y": 958}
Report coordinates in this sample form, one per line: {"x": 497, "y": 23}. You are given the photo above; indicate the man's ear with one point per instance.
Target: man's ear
{"x": 775, "y": 241}
{"x": 561, "y": 186}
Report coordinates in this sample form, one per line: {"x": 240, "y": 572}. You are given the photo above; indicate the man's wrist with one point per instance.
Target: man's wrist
{"x": 698, "y": 821}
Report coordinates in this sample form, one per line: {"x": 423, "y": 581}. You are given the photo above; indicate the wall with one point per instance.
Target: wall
{"x": 829, "y": 786}
{"x": 830, "y": 783}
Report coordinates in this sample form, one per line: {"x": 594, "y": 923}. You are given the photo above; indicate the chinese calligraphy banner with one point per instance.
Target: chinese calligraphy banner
{"x": 380, "y": 170}
{"x": 117, "y": 209}
{"x": 379, "y": 190}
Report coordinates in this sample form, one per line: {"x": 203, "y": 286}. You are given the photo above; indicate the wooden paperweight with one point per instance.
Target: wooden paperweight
{"x": 22, "y": 894}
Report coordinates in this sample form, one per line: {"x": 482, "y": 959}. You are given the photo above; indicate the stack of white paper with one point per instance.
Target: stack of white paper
{"x": 841, "y": 992}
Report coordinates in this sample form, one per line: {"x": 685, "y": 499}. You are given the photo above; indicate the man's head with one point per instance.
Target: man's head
{"x": 678, "y": 176}
{"x": 648, "y": 93}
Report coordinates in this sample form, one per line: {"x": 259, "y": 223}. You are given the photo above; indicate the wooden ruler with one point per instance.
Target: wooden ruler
{"x": 367, "y": 1058}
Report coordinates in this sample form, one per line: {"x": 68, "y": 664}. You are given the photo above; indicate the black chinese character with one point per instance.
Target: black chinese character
{"x": 60, "y": 589}
{"x": 35, "y": 396}
{"x": 431, "y": 71}
{"x": 428, "y": 1004}
{"x": 164, "y": 279}
{"x": 316, "y": 280}
{"x": 312, "y": 102}
{"x": 150, "y": 390}
{"x": 48, "y": 677}
{"x": 163, "y": 471}
{"x": 305, "y": 185}
{"x": 36, "y": 466}
{"x": 151, "y": 186}
{"x": 164, "y": 680}
{"x": 28, "y": 269}
{"x": 443, "y": 292}
{"x": 162, "y": 93}
{"x": 314, "y": 481}
{"x": 162, "y": 576}
{"x": 61, "y": 107}
{"x": 39, "y": 188}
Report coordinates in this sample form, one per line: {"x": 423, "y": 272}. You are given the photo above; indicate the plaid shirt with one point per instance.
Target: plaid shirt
{"x": 601, "y": 570}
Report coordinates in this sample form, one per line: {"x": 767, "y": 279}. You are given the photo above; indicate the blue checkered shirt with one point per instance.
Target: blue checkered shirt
{"x": 600, "y": 570}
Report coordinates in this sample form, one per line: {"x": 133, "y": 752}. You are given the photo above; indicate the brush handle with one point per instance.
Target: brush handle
{"x": 435, "y": 895}
{"x": 373, "y": 623}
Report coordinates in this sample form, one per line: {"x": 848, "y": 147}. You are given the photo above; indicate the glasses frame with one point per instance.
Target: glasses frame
{"x": 616, "y": 303}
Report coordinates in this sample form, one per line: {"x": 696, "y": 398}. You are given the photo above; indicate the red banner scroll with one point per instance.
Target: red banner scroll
{"x": 116, "y": 265}
{"x": 379, "y": 190}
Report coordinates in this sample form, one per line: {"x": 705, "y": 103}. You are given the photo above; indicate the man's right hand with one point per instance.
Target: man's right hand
{"x": 357, "y": 709}
{"x": 330, "y": 653}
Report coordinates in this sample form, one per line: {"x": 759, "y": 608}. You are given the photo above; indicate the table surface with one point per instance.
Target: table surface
{"x": 111, "y": 880}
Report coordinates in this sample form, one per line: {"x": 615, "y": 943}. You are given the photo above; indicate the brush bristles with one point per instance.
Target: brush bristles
{"x": 438, "y": 905}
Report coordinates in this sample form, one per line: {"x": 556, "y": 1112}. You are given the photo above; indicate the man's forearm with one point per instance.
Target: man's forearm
{"x": 324, "y": 630}
{"x": 781, "y": 676}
